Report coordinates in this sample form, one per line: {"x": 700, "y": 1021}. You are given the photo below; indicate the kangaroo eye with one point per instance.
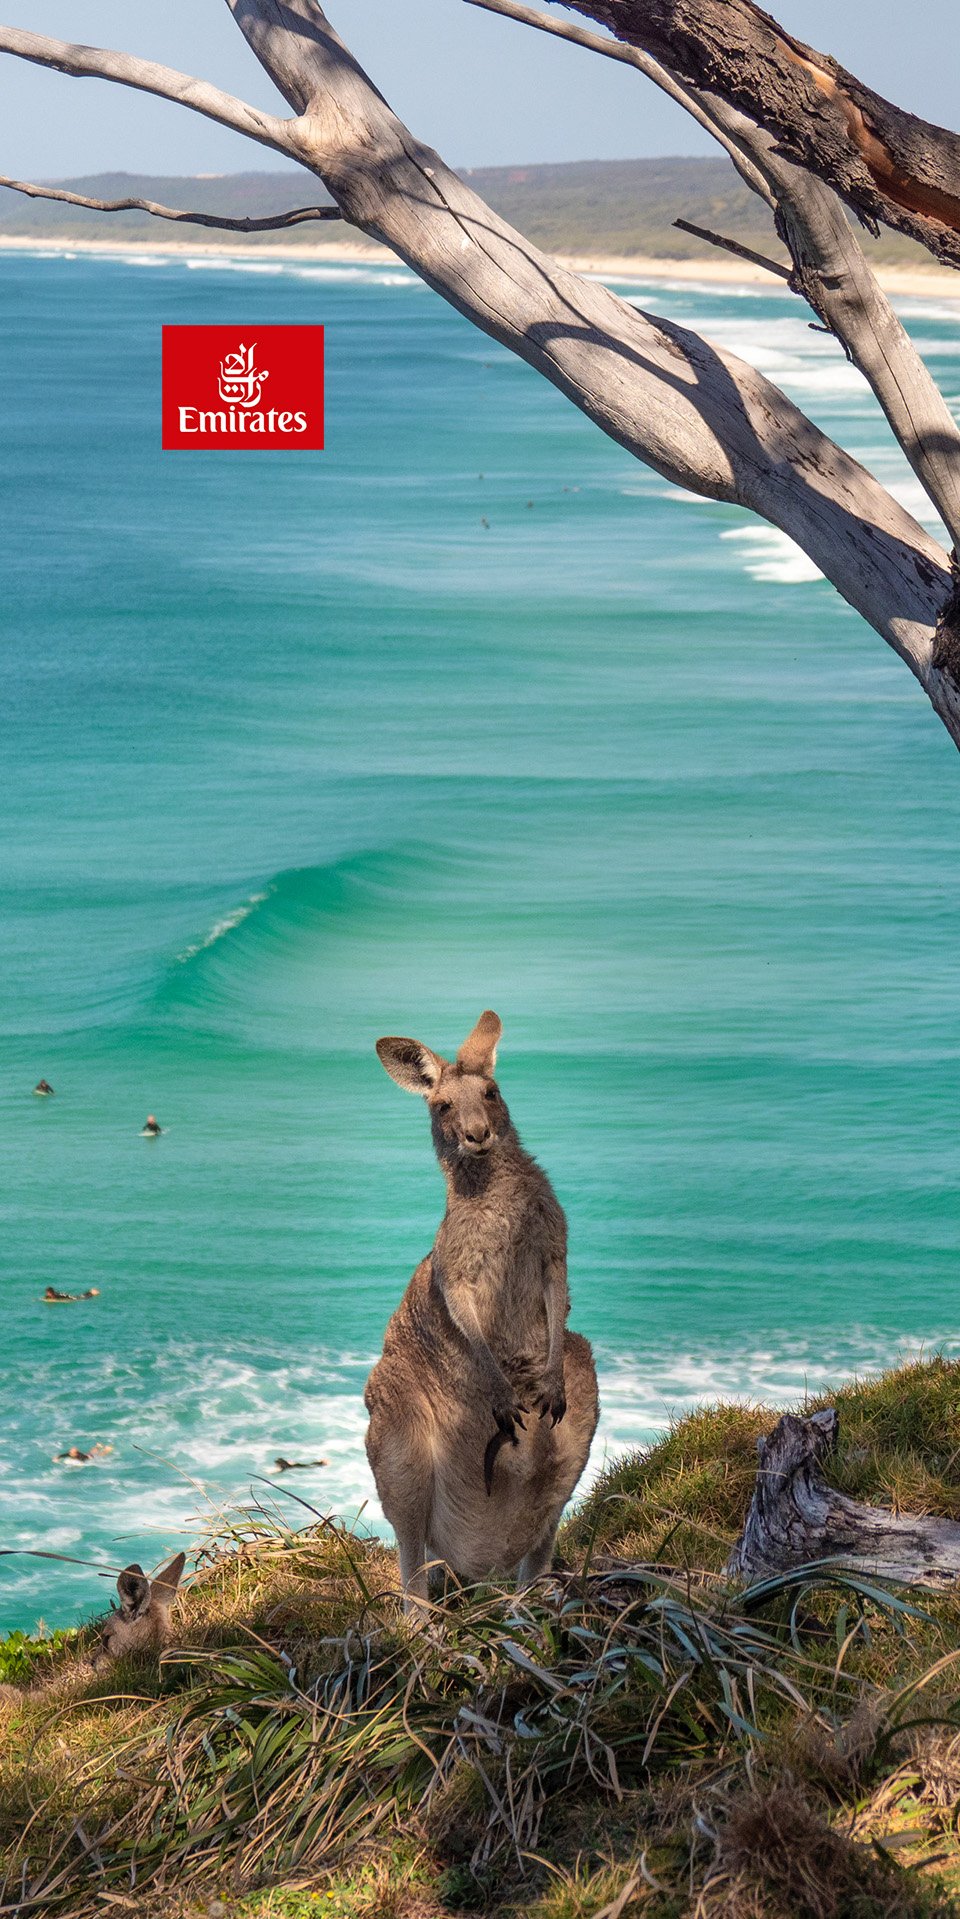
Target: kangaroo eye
{"x": 443, "y": 1106}
{"x": 490, "y": 1093}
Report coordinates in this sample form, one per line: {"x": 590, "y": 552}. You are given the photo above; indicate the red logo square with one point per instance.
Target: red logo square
{"x": 243, "y": 386}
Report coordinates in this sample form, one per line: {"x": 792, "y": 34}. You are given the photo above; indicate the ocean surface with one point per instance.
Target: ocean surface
{"x": 468, "y": 710}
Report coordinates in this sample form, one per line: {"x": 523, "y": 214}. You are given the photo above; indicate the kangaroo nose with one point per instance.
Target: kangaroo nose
{"x": 479, "y": 1139}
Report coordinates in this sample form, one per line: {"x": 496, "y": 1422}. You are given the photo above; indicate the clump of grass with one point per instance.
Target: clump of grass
{"x": 776, "y": 1853}
{"x": 635, "y": 1737}
{"x": 684, "y": 1500}
{"x": 266, "y": 1770}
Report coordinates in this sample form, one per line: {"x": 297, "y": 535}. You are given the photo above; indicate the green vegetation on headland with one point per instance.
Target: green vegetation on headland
{"x": 598, "y": 208}
{"x": 636, "y": 1738}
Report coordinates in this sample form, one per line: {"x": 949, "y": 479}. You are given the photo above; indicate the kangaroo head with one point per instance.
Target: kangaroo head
{"x": 467, "y": 1112}
{"x": 143, "y": 1621}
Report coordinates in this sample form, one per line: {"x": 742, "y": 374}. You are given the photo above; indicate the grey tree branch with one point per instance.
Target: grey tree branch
{"x": 293, "y": 217}
{"x": 734, "y": 246}
{"x": 830, "y": 268}
{"x": 833, "y": 273}
{"x": 701, "y": 417}
{"x": 102, "y": 63}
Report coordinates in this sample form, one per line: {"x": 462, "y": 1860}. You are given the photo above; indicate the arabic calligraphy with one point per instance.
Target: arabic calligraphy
{"x": 241, "y": 384}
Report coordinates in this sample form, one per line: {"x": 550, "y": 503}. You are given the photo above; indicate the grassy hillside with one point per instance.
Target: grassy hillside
{"x": 616, "y": 207}
{"x": 635, "y": 1738}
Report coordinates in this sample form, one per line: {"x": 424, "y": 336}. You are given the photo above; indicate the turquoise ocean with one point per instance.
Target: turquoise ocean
{"x": 469, "y": 710}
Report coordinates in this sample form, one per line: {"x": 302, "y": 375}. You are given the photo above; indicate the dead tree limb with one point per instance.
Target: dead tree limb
{"x": 834, "y": 276}
{"x": 832, "y": 272}
{"x": 147, "y": 76}
{"x": 244, "y": 224}
{"x": 642, "y": 63}
{"x": 736, "y": 247}
{"x": 701, "y": 417}
{"x": 889, "y": 166}
{"x": 796, "y": 1517}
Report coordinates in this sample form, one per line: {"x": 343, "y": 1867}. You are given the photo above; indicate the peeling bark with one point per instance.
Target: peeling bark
{"x": 796, "y": 1518}
{"x": 889, "y": 166}
{"x": 830, "y": 269}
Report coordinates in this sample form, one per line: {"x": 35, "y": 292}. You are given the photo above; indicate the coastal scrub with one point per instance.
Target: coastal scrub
{"x": 634, "y": 1736}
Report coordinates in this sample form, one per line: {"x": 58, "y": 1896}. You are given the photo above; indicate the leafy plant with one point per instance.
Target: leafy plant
{"x": 23, "y": 1655}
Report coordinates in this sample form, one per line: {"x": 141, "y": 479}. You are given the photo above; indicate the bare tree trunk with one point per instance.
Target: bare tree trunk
{"x": 829, "y": 266}
{"x": 796, "y": 1518}
{"x": 699, "y": 416}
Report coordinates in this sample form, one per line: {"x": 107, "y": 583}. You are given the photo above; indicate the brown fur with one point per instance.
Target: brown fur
{"x": 478, "y": 1375}
{"x": 143, "y": 1621}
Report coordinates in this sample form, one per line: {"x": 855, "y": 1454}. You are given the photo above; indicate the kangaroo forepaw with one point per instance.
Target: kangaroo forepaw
{"x": 552, "y": 1400}
{"x": 509, "y": 1419}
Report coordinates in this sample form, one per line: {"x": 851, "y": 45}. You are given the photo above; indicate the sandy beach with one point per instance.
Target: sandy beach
{"x": 917, "y": 281}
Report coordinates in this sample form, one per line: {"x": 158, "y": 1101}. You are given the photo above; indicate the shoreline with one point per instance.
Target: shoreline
{"x": 933, "y": 282}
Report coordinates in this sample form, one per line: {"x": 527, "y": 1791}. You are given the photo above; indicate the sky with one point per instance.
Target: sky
{"x": 482, "y": 90}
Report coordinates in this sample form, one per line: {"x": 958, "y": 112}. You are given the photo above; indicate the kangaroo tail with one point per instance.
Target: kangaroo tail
{"x": 493, "y": 1448}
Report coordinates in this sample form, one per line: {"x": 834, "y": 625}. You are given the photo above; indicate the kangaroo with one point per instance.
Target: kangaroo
{"x": 482, "y": 1406}
{"x": 143, "y": 1621}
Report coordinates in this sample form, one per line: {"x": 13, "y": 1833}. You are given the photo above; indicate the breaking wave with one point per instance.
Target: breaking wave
{"x": 195, "y": 1434}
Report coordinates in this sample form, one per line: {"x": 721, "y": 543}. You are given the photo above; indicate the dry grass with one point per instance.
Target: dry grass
{"x": 685, "y": 1499}
{"x": 635, "y": 1739}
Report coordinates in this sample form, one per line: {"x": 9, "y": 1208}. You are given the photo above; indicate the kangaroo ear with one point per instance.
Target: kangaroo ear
{"x": 134, "y": 1589}
{"x": 478, "y": 1054}
{"x": 413, "y": 1066}
{"x": 163, "y": 1589}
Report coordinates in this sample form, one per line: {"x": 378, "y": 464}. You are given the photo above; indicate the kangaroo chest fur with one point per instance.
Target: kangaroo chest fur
{"x": 491, "y": 1250}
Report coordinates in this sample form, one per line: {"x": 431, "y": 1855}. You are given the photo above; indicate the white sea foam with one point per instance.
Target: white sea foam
{"x": 222, "y": 926}
{"x": 680, "y": 493}
{"x": 363, "y": 276}
{"x": 330, "y": 271}
{"x": 195, "y": 1435}
{"x": 768, "y": 554}
{"x": 227, "y": 264}
{"x": 943, "y": 308}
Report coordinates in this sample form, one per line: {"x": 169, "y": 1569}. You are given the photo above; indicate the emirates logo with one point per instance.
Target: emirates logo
{"x": 232, "y": 387}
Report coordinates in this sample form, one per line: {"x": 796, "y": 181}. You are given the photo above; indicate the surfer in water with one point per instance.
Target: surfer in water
{"x": 53, "y": 1298}
{"x": 43, "y": 1089}
{"x": 74, "y": 1457}
{"x": 152, "y": 1129}
{"x": 282, "y": 1465}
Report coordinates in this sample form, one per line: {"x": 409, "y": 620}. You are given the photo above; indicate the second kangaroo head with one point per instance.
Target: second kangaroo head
{"x": 142, "y": 1623}
{"x": 467, "y": 1111}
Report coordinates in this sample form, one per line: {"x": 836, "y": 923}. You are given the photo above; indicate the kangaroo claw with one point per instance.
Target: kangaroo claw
{"x": 552, "y": 1400}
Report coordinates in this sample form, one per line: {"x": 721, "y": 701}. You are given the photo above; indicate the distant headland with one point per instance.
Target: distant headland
{"x": 605, "y": 216}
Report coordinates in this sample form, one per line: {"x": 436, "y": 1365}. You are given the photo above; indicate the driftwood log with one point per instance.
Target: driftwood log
{"x": 796, "y": 1517}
